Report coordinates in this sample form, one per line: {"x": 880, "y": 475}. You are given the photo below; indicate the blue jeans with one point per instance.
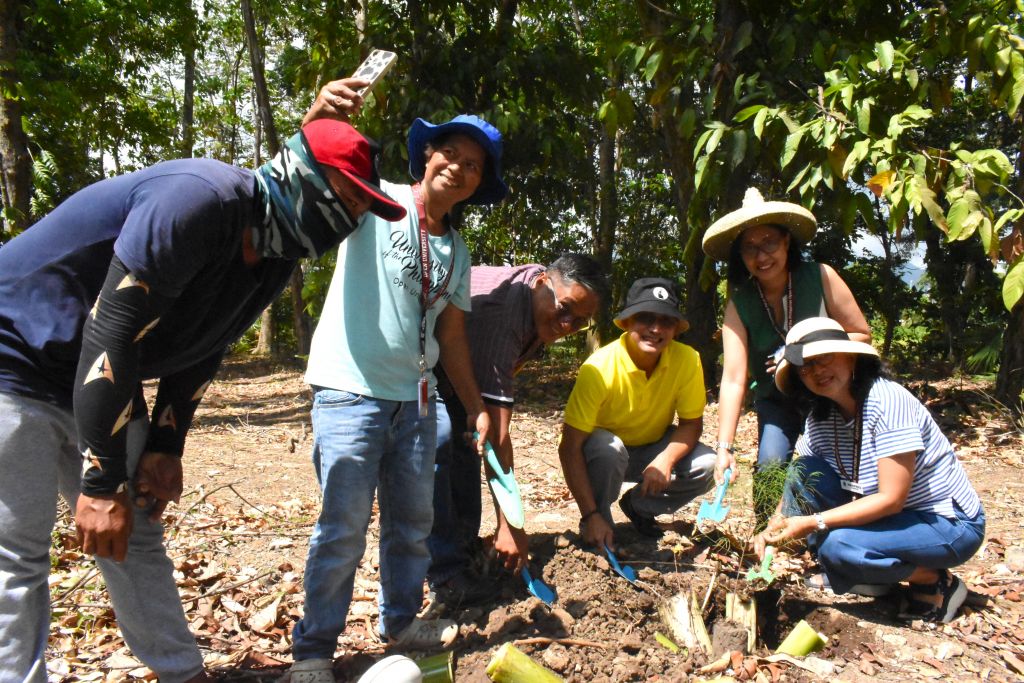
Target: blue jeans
{"x": 363, "y": 445}
{"x": 457, "y": 499}
{"x": 779, "y": 423}
{"x": 885, "y": 551}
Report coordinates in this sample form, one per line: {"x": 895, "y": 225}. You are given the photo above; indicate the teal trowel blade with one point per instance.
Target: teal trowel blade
{"x": 503, "y": 485}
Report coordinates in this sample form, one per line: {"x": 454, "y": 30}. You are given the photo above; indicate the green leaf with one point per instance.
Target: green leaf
{"x": 1008, "y": 217}
{"x": 993, "y": 164}
{"x": 798, "y": 178}
{"x": 1013, "y": 285}
{"x": 857, "y": 155}
{"x": 912, "y": 78}
{"x": 866, "y": 209}
{"x": 956, "y": 217}
{"x": 716, "y": 137}
{"x": 847, "y": 96}
{"x": 698, "y": 172}
{"x": 742, "y": 39}
{"x": 926, "y": 198}
{"x": 759, "y": 121}
{"x": 792, "y": 145}
{"x": 653, "y": 62}
{"x": 746, "y": 113}
{"x": 737, "y": 148}
{"x": 687, "y": 123}
{"x": 864, "y": 117}
{"x": 885, "y": 53}
{"x": 701, "y": 141}
{"x": 1002, "y": 61}
{"x": 986, "y": 234}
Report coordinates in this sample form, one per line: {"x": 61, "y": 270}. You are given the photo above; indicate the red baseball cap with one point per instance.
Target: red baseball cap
{"x": 339, "y": 145}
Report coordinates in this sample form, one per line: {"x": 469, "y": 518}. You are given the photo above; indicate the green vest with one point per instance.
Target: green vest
{"x": 762, "y": 338}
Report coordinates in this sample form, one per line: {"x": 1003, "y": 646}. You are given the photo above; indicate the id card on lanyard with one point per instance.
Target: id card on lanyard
{"x": 426, "y": 300}
{"x": 849, "y": 480}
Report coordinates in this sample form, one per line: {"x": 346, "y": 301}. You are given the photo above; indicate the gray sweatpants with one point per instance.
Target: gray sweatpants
{"x": 39, "y": 458}
{"x": 611, "y": 462}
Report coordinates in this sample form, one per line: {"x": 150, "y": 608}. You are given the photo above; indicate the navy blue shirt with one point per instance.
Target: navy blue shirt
{"x": 177, "y": 225}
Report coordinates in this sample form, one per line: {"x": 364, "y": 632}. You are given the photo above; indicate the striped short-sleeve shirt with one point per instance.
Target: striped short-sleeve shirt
{"x": 895, "y": 422}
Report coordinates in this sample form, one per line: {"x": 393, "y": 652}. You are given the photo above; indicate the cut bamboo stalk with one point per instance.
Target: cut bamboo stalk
{"x": 743, "y": 612}
{"x": 509, "y": 665}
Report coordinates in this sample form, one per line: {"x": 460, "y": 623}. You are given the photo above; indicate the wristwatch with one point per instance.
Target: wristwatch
{"x": 820, "y": 522}
{"x": 727, "y": 445}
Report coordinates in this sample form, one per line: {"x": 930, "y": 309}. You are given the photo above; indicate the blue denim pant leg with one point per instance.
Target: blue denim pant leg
{"x": 779, "y": 423}
{"x": 406, "y": 516}
{"x": 358, "y": 443}
{"x": 457, "y": 499}
{"x": 886, "y": 551}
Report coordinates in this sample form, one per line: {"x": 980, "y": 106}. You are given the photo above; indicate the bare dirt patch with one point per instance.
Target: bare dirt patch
{"x": 239, "y": 540}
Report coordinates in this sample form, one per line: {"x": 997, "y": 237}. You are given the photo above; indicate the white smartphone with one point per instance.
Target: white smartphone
{"x": 378, "y": 63}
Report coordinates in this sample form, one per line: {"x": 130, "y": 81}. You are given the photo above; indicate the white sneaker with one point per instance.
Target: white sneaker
{"x": 310, "y": 671}
{"x": 426, "y": 635}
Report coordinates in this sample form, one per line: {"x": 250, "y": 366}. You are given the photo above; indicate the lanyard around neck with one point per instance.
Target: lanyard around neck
{"x": 789, "y": 307}
{"x": 426, "y": 300}
{"x": 858, "y": 425}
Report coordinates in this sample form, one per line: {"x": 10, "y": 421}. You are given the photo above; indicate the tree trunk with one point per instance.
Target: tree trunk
{"x": 299, "y": 317}
{"x": 265, "y": 343}
{"x": 188, "y": 97}
{"x": 1010, "y": 381}
{"x": 607, "y": 220}
{"x": 15, "y": 161}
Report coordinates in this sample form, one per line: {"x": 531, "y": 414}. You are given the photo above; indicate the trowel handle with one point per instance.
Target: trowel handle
{"x": 724, "y": 485}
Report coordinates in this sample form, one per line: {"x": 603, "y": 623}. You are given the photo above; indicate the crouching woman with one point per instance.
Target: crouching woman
{"x": 877, "y": 489}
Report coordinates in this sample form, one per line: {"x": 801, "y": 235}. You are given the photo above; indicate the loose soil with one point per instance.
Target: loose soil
{"x": 240, "y": 535}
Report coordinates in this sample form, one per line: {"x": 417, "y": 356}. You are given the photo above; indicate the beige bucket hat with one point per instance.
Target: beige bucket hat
{"x": 814, "y": 337}
{"x": 756, "y": 211}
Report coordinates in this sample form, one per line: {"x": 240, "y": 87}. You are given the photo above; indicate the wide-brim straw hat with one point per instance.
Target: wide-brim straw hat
{"x": 814, "y": 337}
{"x": 718, "y": 239}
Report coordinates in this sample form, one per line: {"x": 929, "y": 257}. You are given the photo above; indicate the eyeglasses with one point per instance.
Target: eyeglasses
{"x": 566, "y": 315}
{"x": 768, "y": 246}
{"x": 811, "y": 363}
{"x": 649, "y": 319}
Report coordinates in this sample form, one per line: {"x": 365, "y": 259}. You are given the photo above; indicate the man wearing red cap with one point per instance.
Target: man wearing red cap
{"x": 148, "y": 275}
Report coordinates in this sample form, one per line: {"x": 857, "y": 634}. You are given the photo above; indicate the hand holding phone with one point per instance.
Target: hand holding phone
{"x": 378, "y": 63}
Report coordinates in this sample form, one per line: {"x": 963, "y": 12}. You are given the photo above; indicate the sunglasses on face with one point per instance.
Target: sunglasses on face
{"x": 565, "y": 313}
{"x": 649, "y": 319}
{"x": 810, "y": 363}
{"x": 768, "y": 246}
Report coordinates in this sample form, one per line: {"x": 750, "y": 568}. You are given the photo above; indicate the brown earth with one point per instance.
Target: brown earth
{"x": 239, "y": 539}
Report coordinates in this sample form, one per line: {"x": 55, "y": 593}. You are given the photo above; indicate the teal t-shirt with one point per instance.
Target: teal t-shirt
{"x": 367, "y": 340}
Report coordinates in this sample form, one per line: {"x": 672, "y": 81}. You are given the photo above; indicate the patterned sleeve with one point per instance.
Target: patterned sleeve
{"x": 107, "y": 387}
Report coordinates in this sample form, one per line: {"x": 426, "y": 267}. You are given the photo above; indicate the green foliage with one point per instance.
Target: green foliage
{"x": 887, "y": 119}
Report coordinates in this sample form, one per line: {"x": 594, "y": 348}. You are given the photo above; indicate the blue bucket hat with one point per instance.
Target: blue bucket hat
{"x": 492, "y": 188}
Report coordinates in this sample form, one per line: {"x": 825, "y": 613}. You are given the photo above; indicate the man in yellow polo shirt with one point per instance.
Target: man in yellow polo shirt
{"x": 621, "y": 421}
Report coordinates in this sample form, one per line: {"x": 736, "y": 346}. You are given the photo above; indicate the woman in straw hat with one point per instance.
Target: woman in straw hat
{"x": 876, "y": 488}
{"x": 770, "y": 289}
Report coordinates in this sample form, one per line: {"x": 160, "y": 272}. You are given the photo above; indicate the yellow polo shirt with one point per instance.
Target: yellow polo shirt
{"x": 612, "y": 393}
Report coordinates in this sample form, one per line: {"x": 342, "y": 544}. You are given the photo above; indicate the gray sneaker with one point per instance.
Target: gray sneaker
{"x": 426, "y": 635}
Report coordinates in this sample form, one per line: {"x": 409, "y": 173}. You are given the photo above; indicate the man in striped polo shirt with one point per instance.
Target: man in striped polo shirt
{"x": 516, "y": 311}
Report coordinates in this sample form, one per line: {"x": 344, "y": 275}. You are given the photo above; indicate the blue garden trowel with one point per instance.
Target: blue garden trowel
{"x": 625, "y": 571}
{"x": 503, "y": 485}
{"x": 538, "y": 588}
{"x": 716, "y": 512}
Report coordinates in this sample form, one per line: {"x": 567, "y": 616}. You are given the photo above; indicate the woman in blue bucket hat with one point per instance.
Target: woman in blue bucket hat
{"x": 395, "y": 307}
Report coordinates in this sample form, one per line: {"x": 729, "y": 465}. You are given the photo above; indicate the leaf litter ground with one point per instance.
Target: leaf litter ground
{"x": 239, "y": 538}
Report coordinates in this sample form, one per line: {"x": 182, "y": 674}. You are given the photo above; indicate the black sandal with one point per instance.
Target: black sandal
{"x": 948, "y": 585}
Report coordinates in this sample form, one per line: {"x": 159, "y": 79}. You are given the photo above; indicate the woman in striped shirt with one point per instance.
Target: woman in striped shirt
{"x": 876, "y": 489}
